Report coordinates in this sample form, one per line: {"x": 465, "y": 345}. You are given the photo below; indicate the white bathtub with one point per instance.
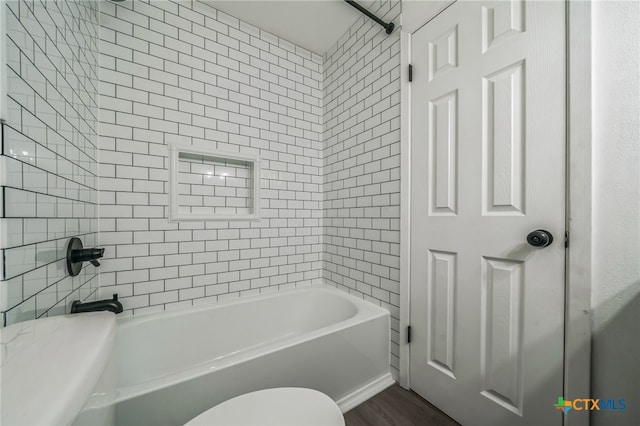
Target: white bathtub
{"x": 174, "y": 365}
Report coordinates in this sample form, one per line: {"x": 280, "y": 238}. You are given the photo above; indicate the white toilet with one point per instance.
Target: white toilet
{"x": 274, "y": 407}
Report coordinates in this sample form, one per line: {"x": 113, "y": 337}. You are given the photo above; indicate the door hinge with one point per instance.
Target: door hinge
{"x": 409, "y": 334}
{"x": 566, "y": 239}
{"x": 410, "y": 72}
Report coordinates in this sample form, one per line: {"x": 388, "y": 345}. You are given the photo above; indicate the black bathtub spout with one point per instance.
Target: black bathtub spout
{"x": 112, "y": 305}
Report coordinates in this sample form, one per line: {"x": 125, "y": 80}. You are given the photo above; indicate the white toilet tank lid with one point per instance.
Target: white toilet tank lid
{"x": 274, "y": 407}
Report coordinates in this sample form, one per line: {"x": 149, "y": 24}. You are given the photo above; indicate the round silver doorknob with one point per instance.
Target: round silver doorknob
{"x": 540, "y": 238}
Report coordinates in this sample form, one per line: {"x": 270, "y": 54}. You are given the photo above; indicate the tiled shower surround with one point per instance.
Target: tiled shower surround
{"x": 362, "y": 165}
{"x": 49, "y": 148}
{"x": 182, "y": 72}
{"x": 326, "y": 130}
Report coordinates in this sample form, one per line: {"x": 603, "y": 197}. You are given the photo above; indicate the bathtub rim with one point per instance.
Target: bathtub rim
{"x": 204, "y": 306}
{"x": 366, "y": 311}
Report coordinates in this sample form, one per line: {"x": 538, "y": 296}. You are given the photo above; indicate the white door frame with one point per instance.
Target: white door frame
{"x": 577, "y": 343}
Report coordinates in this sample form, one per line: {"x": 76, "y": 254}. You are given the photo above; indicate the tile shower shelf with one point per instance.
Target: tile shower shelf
{"x": 212, "y": 184}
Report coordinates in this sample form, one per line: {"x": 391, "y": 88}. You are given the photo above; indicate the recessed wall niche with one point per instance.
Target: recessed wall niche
{"x": 213, "y": 185}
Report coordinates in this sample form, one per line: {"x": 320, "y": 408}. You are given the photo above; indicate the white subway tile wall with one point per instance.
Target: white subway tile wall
{"x": 362, "y": 164}
{"x": 49, "y": 147}
{"x": 211, "y": 185}
{"x": 183, "y": 72}
{"x": 327, "y": 130}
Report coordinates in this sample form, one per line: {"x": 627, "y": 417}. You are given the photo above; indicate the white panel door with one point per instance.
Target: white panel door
{"x": 488, "y": 167}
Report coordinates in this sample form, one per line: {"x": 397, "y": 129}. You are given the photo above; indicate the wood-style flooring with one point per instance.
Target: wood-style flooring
{"x": 397, "y": 407}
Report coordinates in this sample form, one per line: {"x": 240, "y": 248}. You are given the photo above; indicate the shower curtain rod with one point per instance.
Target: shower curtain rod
{"x": 388, "y": 27}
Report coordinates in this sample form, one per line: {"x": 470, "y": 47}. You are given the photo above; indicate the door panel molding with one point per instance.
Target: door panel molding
{"x": 501, "y": 332}
{"x": 503, "y": 141}
{"x": 503, "y": 20}
{"x": 443, "y": 146}
{"x": 442, "y": 293}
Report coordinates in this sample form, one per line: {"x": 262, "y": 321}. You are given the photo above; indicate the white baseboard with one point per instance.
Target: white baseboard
{"x": 367, "y": 391}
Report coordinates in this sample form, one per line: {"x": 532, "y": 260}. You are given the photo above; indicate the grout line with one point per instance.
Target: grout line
{"x": 2, "y": 137}
{"x": 4, "y": 266}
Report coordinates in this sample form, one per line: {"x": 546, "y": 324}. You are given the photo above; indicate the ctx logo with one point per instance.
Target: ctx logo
{"x": 588, "y": 404}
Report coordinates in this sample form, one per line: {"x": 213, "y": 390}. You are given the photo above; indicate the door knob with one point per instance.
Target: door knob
{"x": 540, "y": 238}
